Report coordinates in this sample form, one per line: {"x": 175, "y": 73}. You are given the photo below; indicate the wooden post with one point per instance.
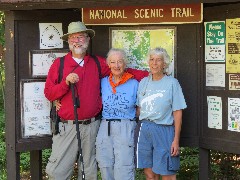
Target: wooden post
{"x": 36, "y": 164}
{"x": 13, "y": 157}
{"x": 204, "y": 164}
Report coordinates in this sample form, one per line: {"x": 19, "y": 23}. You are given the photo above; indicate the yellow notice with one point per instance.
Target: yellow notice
{"x": 233, "y": 45}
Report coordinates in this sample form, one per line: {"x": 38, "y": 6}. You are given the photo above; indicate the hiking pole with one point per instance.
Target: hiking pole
{"x": 76, "y": 105}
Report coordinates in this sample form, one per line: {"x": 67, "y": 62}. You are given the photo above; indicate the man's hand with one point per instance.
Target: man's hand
{"x": 72, "y": 78}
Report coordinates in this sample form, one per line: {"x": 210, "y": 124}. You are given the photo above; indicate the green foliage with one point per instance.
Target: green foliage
{"x": 189, "y": 166}
{"x": 225, "y": 165}
{"x": 2, "y": 25}
{"x": 45, "y": 155}
{"x": 3, "y": 161}
{"x": 24, "y": 162}
{"x": 140, "y": 174}
{"x": 2, "y": 67}
{"x": 3, "y": 173}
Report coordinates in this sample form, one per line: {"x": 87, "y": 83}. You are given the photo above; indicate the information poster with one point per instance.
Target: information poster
{"x": 215, "y": 38}
{"x": 35, "y": 111}
{"x": 215, "y": 75}
{"x": 43, "y": 59}
{"x": 50, "y": 35}
{"x": 214, "y": 112}
{"x": 234, "y": 81}
{"x": 234, "y": 114}
{"x": 137, "y": 43}
{"x": 233, "y": 45}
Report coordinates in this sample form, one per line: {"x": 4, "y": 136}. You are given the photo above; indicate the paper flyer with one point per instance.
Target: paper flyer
{"x": 214, "y": 112}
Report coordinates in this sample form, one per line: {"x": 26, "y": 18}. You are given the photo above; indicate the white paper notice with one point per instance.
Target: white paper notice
{"x": 215, "y": 75}
{"x": 234, "y": 114}
{"x": 42, "y": 62}
{"x": 50, "y": 35}
{"x": 214, "y": 112}
{"x": 35, "y": 110}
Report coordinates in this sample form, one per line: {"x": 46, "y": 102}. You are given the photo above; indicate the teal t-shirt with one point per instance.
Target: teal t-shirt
{"x": 121, "y": 105}
{"x": 158, "y": 99}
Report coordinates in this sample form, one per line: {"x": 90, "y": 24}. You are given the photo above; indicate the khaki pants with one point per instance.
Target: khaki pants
{"x": 65, "y": 151}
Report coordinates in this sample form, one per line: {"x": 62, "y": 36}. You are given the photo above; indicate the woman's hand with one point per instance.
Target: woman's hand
{"x": 175, "y": 150}
{"x": 58, "y": 105}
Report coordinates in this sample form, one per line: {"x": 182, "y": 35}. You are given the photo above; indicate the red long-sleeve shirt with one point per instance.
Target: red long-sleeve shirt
{"x": 88, "y": 86}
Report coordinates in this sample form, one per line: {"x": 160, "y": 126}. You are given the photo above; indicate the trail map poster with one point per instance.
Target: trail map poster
{"x": 137, "y": 42}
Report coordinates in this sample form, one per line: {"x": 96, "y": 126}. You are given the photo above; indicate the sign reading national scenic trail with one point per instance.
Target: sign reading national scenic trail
{"x": 161, "y": 14}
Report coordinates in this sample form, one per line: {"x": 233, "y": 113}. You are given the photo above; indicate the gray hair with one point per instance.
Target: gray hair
{"x": 115, "y": 51}
{"x": 160, "y": 52}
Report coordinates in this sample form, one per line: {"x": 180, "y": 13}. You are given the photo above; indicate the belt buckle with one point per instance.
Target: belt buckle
{"x": 88, "y": 121}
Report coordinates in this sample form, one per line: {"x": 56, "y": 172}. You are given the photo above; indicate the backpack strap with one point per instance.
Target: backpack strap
{"x": 99, "y": 115}
{"x": 53, "y": 113}
{"x": 60, "y": 70}
{"x": 98, "y": 65}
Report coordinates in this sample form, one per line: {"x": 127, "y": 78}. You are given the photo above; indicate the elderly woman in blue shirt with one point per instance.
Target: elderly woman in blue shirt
{"x": 115, "y": 139}
{"x": 160, "y": 103}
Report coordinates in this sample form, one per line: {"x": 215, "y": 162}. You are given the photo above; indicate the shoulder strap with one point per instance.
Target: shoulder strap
{"x": 60, "y": 70}
{"x": 98, "y": 65}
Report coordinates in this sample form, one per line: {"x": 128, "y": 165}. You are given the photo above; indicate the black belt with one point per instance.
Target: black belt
{"x": 110, "y": 120}
{"x": 148, "y": 120}
{"x": 85, "y": 122}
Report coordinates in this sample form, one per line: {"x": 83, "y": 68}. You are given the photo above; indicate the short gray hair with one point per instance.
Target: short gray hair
{"x": 117, "y": 50}
{"x": 160, "y": 52}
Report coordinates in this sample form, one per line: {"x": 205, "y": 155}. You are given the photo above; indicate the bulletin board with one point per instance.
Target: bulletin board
{"x": 221, "y": 108}
{"x": 35, "y": 109}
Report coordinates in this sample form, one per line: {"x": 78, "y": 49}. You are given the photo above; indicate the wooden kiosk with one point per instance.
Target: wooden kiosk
{"x": 206, "y": 67}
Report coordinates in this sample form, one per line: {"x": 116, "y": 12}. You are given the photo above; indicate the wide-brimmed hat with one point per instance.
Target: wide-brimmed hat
{"x": 76, "y": 27}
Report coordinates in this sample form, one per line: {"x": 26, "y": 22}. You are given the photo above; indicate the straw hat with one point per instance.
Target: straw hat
{"x": 76, "y": 27}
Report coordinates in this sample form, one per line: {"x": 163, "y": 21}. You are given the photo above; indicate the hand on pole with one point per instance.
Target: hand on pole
{"x": 72, "y": 78}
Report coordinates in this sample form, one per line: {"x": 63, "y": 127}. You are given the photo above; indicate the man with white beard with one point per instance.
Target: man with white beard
{"x": 81, "y": 70}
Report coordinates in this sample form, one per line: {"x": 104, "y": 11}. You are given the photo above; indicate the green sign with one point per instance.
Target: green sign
{"x": 215, "y": 33}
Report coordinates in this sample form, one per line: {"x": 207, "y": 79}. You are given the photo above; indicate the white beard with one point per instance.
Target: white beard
{"x": 79, "y": 50}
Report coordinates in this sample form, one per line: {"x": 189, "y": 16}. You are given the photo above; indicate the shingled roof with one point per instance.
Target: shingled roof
{"x": 64, "y": 4}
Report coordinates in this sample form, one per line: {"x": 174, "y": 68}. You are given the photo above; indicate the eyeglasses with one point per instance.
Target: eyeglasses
{"x": 79, "y": 37}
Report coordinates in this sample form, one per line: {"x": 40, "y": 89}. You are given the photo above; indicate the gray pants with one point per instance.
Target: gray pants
{"x": 65, "y": 151}
{"x": 115, "y": 153}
